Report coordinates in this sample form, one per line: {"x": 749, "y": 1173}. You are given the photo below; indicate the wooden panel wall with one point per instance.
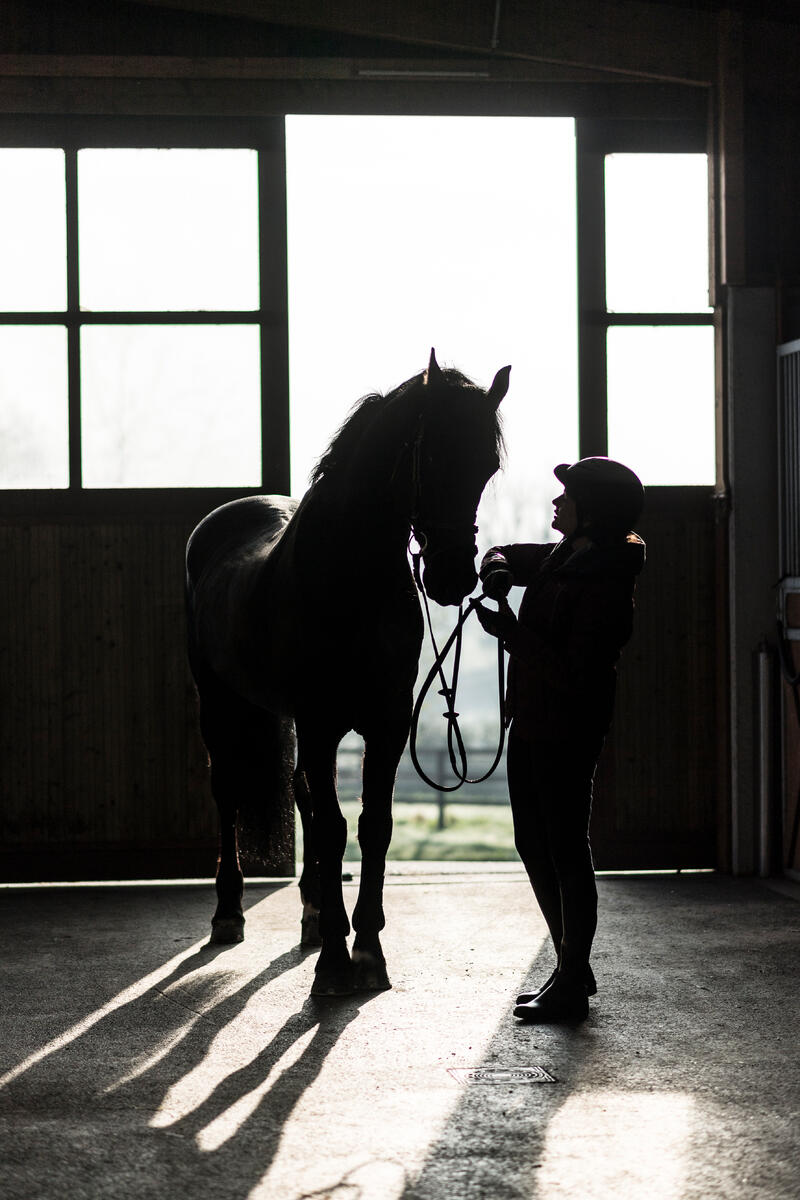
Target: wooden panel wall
{"x": 104, "y": 774}
{"x": 658, "y": 783}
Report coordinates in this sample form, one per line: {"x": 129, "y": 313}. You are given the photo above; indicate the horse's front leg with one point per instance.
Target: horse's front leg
{"x": 309, "y": 878}
{"x": 334, "y": 971}
{"x": 382, "y": 750}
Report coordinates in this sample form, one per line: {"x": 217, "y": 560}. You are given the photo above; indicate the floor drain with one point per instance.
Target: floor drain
{"x": 501, "y": 1075}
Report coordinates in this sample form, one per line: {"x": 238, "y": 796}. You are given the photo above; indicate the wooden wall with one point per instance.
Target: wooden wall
{"x": 659, "y": 787}
{"x": 104, "y": 774}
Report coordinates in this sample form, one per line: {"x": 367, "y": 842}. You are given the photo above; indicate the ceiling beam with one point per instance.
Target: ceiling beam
{"x": 164, "y": 66}
{"x": 629, "y": 38}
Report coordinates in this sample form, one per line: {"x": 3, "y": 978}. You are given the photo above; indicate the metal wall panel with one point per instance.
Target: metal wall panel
{"x": 789, "y": 594}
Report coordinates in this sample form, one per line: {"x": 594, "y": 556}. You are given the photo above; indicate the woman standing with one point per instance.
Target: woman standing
{"x": 575, "y": 617}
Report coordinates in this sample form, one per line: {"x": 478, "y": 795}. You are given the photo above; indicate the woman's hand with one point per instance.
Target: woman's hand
{"x": 500, "y": 624}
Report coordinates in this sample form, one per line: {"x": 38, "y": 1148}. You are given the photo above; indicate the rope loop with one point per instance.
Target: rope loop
{"x": 456, "y": 750}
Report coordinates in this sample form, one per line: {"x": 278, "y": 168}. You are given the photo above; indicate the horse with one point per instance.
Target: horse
{"x": 307, "y": 615}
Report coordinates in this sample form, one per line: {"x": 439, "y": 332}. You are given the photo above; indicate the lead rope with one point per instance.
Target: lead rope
{"x": 455, "y": 743}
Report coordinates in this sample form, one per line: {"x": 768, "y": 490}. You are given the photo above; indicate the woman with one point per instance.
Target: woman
{"x": 575, "y": 617}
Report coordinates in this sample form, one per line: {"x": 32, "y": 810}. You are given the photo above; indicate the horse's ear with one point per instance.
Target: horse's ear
{"x": 433, "y": 375}
{"x": 499, "y": 387}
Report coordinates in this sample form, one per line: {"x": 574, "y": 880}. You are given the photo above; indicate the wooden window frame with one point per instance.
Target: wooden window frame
{"x": 265, "y": 135}
{"x": 594, "y": 141}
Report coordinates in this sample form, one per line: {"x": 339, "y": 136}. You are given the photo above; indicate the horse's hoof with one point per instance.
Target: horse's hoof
{"x": 369, "y": 972}
{"x": 309, "y": 929}
{"x": 333, "y": 981}
{"x": 226, "y": 931}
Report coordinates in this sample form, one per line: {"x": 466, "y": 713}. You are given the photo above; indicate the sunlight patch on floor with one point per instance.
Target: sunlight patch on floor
{"x": 397, "y": 1053}
{"x": 609, "y": 1144}
{"x": 243, "y": 1039}
{"x": 225, "y": 1126}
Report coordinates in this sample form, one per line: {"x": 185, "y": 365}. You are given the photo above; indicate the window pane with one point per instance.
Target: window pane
{"x": 171, "y": 406}
{"x": 33, "y": 263}
{"x": 168, "y": 229}
{"x": 657, "y": 232}
{"x": 661, "y": 403}
{"x": 34, "y": 421}
{"x": 452, "y": 232}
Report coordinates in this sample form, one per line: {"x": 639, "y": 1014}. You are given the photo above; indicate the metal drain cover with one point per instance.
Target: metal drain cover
{"x": 501, "y": 1075}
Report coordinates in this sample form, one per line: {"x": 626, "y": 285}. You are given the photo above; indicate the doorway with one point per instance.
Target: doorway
{"x": 578, "y": 252}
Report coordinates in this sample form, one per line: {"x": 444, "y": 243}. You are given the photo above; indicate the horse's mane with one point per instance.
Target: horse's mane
{"x": 350, "y": 433}
{"x": 369, "y": 409}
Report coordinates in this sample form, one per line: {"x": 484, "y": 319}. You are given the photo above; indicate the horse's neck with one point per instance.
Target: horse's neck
{"x": 363, "y": 517}
{"x": 358, "y": 516}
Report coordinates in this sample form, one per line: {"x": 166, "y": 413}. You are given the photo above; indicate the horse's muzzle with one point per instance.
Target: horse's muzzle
{"x": 450, "y": 576}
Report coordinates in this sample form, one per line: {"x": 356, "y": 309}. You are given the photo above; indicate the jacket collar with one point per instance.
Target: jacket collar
{"x": 626, "y": 557}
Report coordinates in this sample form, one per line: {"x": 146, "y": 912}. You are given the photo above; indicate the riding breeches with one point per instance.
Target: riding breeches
{"x": 550, "y": 788}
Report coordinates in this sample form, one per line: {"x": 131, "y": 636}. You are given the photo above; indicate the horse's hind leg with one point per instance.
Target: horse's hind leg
{"x": 231, "y": 730}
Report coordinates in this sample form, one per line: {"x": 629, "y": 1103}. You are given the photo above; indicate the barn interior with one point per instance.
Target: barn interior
{"x": 137, "y": 1058}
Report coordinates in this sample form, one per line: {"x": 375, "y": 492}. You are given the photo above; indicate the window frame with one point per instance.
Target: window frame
{"x": 265, "y": 135}
{"x": 594, "y": 141}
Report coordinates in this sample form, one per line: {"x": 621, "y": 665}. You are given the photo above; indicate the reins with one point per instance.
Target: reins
{"x": 455, "y": 743}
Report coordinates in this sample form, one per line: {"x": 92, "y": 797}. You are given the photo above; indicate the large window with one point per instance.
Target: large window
{"x": 144, "y": 305}
{"x": 660, "y": 369}
{"x": 132, "y": 317}
{"x": 647, "y": 335}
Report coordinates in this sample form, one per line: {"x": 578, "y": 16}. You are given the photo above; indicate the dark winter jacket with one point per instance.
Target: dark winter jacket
{"x": 575, "y": 617}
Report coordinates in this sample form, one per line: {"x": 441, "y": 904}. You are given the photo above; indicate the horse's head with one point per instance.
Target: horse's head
{"x": 455, "y": 452}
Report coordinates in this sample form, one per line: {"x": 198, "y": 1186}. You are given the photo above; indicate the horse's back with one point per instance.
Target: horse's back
{"x": 250, "y": 525}
{"x": 233, "y": 574}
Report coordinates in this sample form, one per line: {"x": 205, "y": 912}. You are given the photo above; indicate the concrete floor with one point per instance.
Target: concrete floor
{"x": 135, "y": 1061}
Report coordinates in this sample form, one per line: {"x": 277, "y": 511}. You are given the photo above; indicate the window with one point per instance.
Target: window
{"x": 647, "y": 370}
{"x": 144, "y": 302}
{"x": 660, "y": 376}
{"x": 131, "y": 318}
{"x": 480, "y": 263}
{"x": 34, "y": 448}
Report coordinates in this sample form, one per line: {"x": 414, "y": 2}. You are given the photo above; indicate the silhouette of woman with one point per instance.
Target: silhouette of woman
{"x": 576, "y": 615}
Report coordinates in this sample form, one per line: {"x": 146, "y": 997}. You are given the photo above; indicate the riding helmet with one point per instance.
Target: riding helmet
{"x": 605, "y": 490}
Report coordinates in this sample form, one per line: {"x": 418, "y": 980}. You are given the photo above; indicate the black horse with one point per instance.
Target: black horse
{"x": 308, "y": 613}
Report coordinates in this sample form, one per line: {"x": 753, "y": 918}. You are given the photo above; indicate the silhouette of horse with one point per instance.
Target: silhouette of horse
{"x": 308, "y": 613}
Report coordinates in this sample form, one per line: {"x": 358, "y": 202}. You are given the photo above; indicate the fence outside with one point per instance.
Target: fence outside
{"x": 434, "y": 760}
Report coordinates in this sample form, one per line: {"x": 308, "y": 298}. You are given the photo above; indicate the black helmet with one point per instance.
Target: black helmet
{"x": 604, "y": 491}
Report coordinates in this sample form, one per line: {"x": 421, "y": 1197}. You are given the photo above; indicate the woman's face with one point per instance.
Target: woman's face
{"x": 565, "y": 519}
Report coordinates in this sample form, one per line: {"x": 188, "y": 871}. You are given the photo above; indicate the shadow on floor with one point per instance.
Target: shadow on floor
{"x": 126, "y": 1069}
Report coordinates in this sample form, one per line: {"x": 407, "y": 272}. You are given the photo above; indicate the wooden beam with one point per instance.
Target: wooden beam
{"x": 164, "y": 66}
{"x": 732, "y": 240}
{"x": 144, "y": 96}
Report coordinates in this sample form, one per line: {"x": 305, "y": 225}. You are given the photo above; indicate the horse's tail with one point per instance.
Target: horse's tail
{"x": 251, "y": 754}
{"x": 266, "y": 812}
